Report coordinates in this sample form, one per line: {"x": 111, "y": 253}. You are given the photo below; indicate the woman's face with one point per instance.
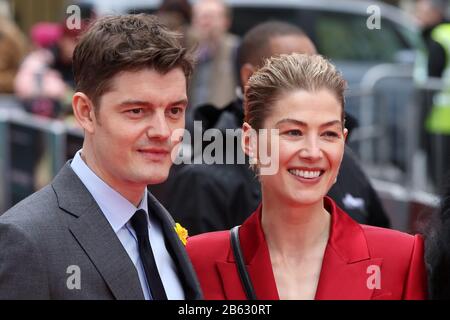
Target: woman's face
{"x": 310, "y": 141}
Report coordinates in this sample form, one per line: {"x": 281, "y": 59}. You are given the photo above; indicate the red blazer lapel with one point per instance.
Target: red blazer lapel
{"x": 348, "y": 271}
{"x": 343, "y": 280}
{"x": 256, "y": 254}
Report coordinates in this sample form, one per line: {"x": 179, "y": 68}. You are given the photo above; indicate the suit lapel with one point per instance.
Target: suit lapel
{"x": 97, "y": 238}
{"x": 177, "y": 250}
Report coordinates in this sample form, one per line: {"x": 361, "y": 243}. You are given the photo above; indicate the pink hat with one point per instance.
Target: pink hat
{"x": 45, "y": 34}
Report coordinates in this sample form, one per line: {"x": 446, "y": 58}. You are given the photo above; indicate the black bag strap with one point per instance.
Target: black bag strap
{"x": 242, "y": 269}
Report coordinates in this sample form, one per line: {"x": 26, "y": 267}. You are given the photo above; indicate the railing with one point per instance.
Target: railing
{"x": 392, "y": 125}
{"x": 32, "y": 150}
{"x": 390, "y": 142}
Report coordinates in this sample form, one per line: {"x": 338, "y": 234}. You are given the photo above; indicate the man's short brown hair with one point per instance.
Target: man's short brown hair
{"x": 131, "y": 42}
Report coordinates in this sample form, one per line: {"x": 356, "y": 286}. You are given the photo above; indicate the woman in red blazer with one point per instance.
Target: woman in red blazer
{"x": 298, "y": 244}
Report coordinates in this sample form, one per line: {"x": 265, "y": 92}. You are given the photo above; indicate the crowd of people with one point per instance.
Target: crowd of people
{"x": 314, "y": 228}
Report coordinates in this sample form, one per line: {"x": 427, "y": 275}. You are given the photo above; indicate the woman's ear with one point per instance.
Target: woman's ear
{"x": 345, "y": 134}
{"x": 249, "y": 142}
{"x": 83, "y": 110}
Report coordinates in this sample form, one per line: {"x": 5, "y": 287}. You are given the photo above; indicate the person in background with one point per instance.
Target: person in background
{"x": 13, "y": 48}
{"x": 176, "y": 14}
{"x": 45, "y": 80}
{"x": 299, "y": 244}
{"x": 214, "y": 80}
{"x": 45, "y": 84}
{"x": 431, "y": 15}
{"x": 211, "y": 197}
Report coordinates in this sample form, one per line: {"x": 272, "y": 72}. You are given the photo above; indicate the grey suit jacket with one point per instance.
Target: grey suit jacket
{"x": 57, "y": 244}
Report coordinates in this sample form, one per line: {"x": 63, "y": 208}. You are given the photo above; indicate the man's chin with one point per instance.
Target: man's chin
{"x": 151, "y": 174}
{"x": 156, "y": 179}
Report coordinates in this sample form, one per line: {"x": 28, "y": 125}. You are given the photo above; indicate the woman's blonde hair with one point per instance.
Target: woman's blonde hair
{"x": 285, "y": 73}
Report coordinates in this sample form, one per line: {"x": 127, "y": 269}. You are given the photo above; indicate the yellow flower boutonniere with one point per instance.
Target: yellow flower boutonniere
{"x": 181, "y": 232}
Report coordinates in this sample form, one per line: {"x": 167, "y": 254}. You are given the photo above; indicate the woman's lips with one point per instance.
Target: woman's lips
{"x": 307, "y": 175}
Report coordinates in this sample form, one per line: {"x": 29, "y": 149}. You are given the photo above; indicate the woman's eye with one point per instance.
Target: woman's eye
{"x": 294, "y": 133}
{"x": 331, "y": 134}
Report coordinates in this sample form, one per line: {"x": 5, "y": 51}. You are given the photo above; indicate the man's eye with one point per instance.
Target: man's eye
{"x": 136, "y": 111}
{"x": 177, "y": 111}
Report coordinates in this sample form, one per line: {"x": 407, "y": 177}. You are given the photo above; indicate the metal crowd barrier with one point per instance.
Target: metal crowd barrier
{"x": 407, "y": 173}
{"x": 391, "y": 127}
{"x": 32, "y": 150}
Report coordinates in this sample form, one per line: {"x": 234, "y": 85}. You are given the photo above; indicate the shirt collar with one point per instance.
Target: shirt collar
{"x": 117, "y": 210}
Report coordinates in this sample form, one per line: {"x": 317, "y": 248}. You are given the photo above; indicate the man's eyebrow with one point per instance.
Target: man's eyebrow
{"x": 135, "y": 103}
{"x": 304, "y": 124}
{"x": 148, "y": 104}
{"x": 179, "y": 102}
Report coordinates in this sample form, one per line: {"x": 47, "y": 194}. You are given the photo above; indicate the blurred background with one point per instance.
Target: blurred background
{"x": 394, "y": 55}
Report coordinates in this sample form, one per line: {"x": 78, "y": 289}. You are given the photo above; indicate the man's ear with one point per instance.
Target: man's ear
{"x": 83, "y": 110}
{"x": 245, "y": 73}
{"x": 249, "y": 142}
{"x": 345, "y": 134}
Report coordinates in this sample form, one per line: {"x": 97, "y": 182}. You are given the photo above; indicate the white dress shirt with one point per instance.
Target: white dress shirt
{"x": 118, "y": 211}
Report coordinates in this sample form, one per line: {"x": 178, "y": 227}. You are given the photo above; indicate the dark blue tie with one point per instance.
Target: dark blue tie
{"x": 140, "y": 226}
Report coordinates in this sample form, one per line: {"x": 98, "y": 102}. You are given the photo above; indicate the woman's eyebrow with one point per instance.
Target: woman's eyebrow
{"x": 304, "y": 124}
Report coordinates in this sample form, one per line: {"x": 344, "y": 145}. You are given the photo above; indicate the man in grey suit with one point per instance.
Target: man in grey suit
{"x": 95, "y": 232}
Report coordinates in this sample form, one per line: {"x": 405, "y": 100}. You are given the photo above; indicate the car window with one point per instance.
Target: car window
{"x": 347, "y": 37}
{"x": 339, "y": 36}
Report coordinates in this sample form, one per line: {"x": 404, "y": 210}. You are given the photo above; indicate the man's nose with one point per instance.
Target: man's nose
{"x": 159, "y": 129}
